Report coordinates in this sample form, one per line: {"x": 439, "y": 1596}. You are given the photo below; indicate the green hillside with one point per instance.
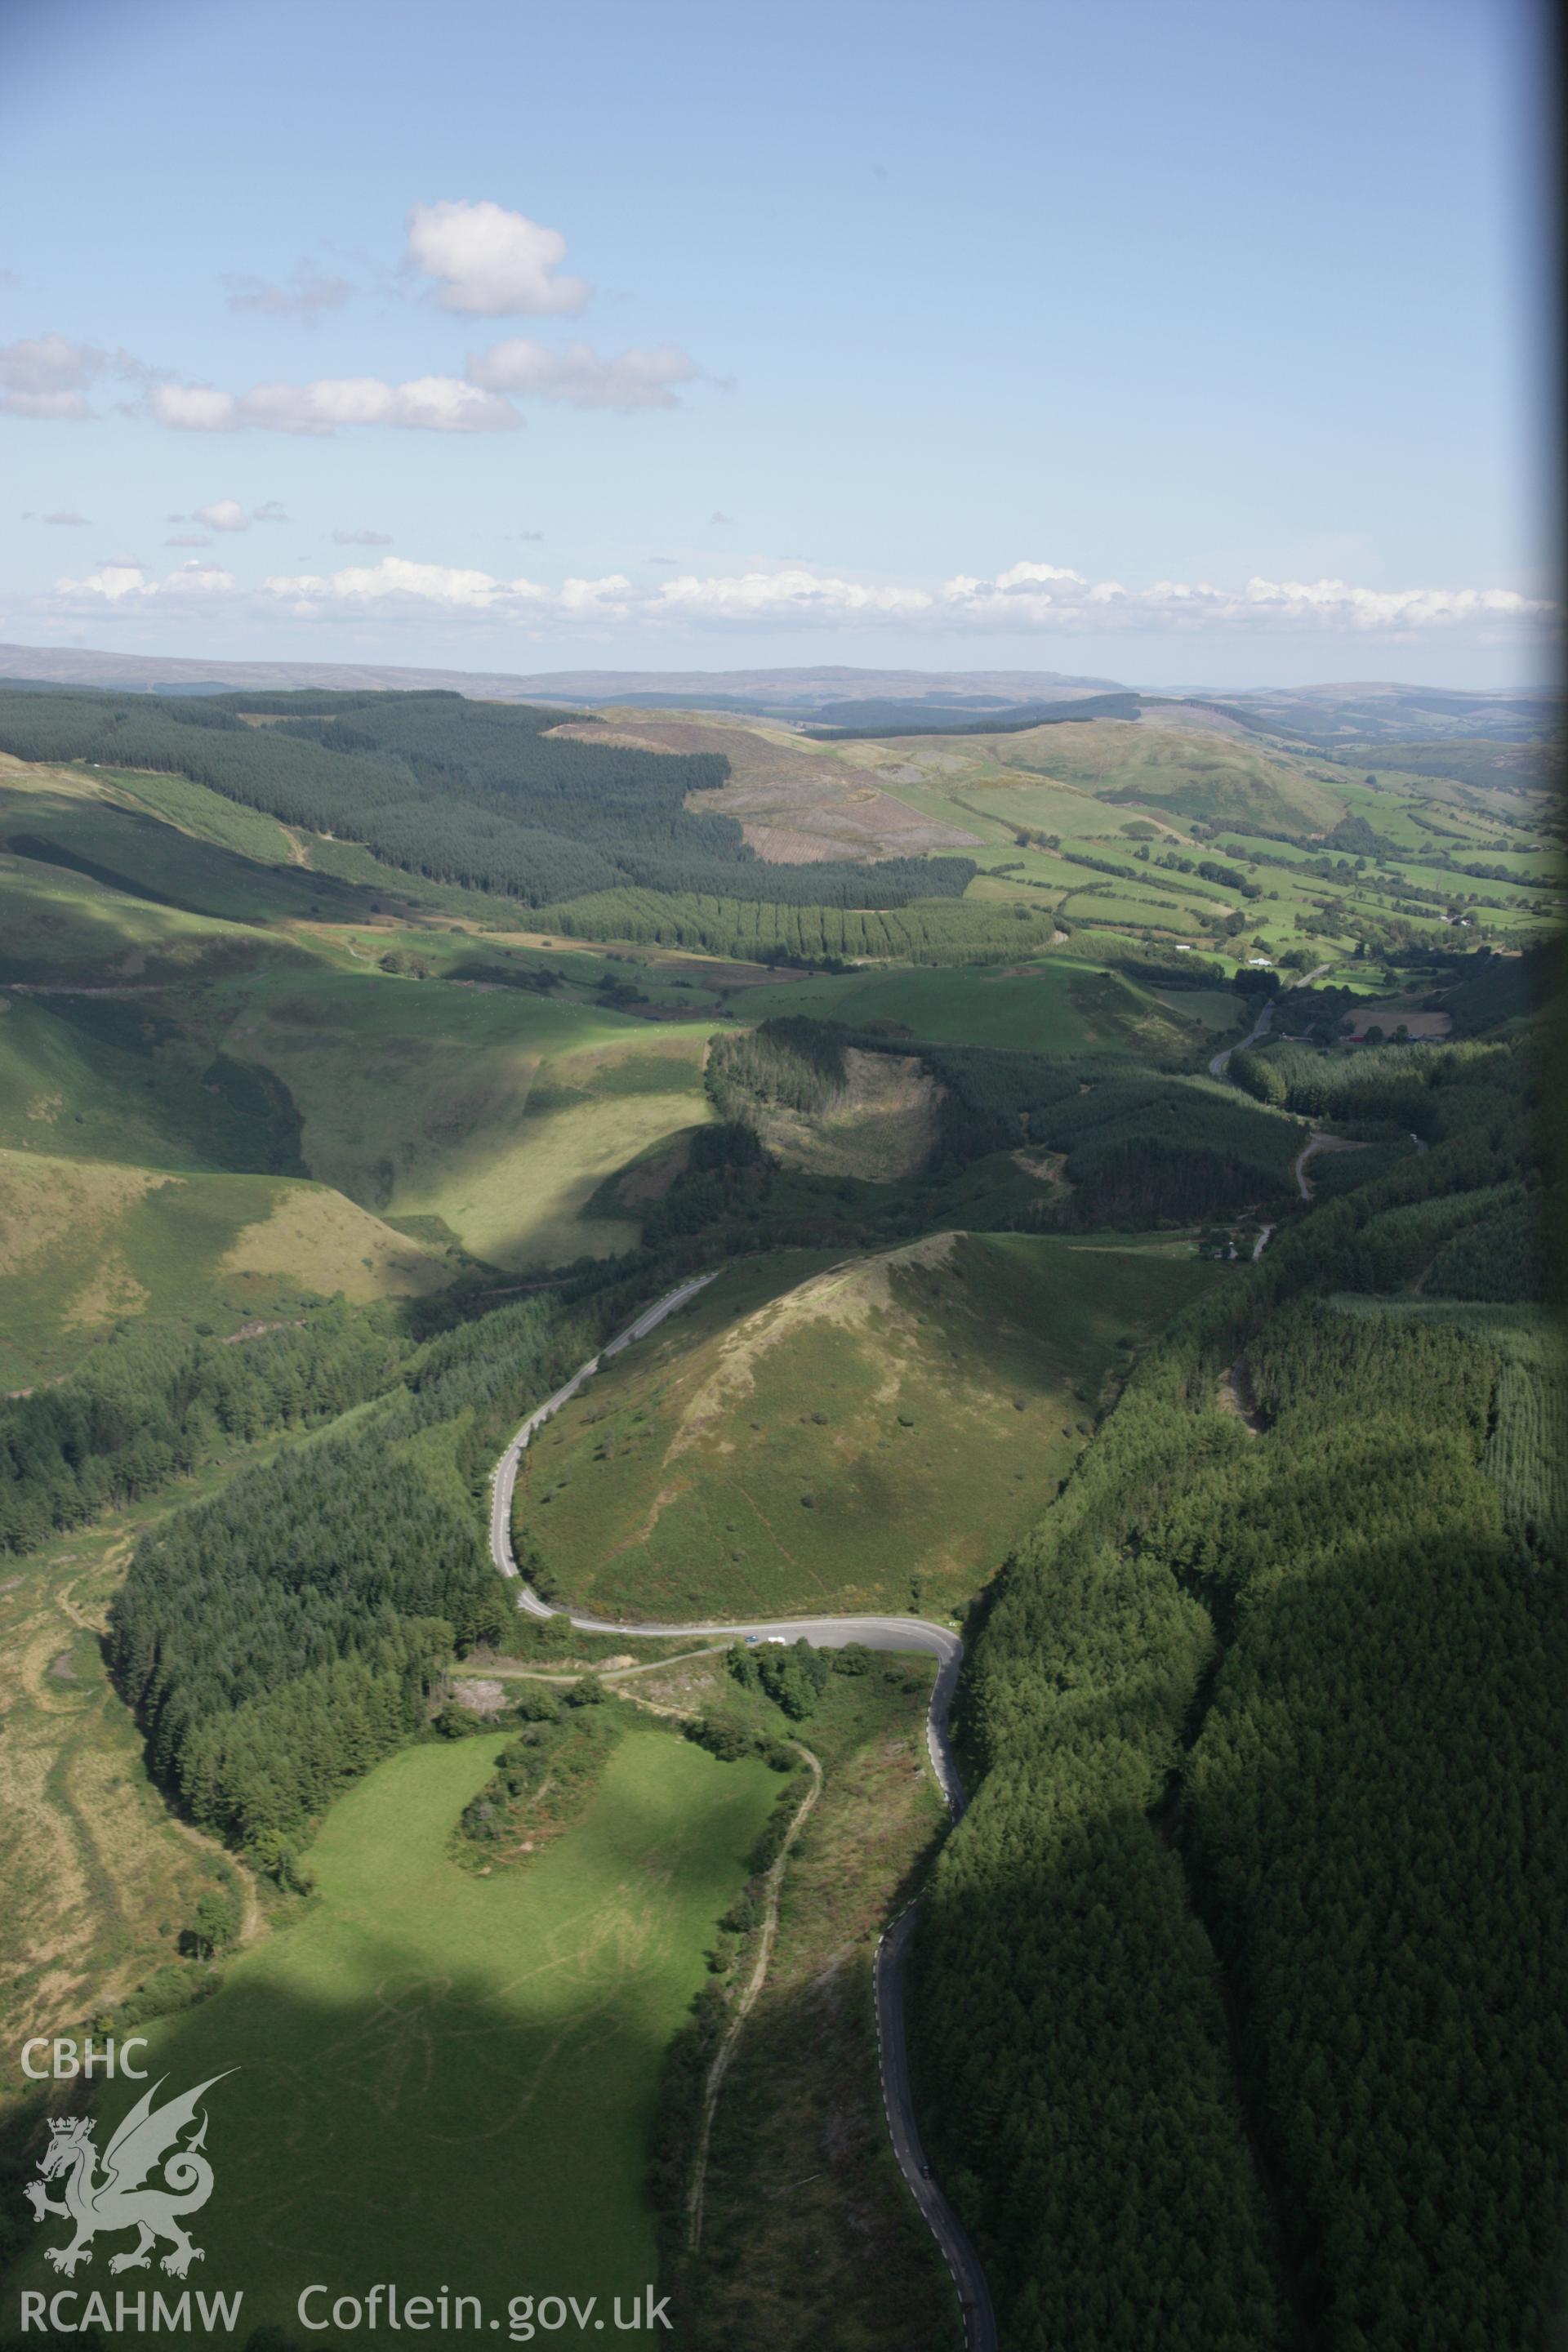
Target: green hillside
{"x": 868, "y": 1436}
{"x": 88, "y": 1246}
{"x": 498, "y": 1113}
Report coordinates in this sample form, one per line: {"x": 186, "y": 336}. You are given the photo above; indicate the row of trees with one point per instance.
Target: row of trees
{"x": 917, "y": 914}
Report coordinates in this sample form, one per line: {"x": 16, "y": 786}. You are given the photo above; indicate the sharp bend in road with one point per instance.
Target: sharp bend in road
{"x": 1221, "y": 1062}
{"x": 1260, "y": 1027}
{"x": 823, "y": 1634}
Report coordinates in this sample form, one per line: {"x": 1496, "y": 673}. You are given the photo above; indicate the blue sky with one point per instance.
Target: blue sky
{"x": 1187, "y": 344}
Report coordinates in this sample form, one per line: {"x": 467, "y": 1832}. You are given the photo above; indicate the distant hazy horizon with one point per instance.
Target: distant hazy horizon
{"x": 87, "y": 666}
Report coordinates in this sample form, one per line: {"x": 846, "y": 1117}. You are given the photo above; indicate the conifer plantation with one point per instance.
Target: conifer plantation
{"x": 1243, "y": 2005}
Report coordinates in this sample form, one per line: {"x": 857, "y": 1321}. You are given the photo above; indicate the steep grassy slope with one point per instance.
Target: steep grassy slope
{"x": 872, "y": 1436}
{"x": 131, "y": 1078}
{"x": 99, "y": 1879}
{"x": 843, "y": 2257}
{"x": 87, "y": 1245}
{"x": 498, "y": 1114}
{"x": 59, "y": 926}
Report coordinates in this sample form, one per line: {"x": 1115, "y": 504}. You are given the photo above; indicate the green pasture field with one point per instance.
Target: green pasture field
{"x": 435, "y": 2078}
{"x": 1217, "y": 1008}
{"x": 1017, "y": 889}
{"x": 1193, "y": 889}
{"x": 1041, "y": 867}
{"x": 1233, "y": 842}
{"x": 1055, "y": 1004}
{"x": 1534, "y": 869}
{"x": 1385, "y": 808}
{"x": 927, "y": 1400}
{"x": 1218, "y": 777}
{"x": 1116, "y": 906}
{"x": 498, "y": 1112}
{"x": 976, "y": 789}
{"x": 1173, "y": 773}
{"x": 482, "y": 960}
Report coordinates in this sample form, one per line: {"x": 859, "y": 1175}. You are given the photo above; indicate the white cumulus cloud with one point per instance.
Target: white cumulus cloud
{"x": 581, "y": 376}
{"x": 224, "y": 514}
{"x": 1050, "y": 596}
{"x": 47, "y": 377}
{"x": 433, "y": 404}
{"x": 122, "y": 582}
{"x": 397, "y": 579}
{"x": 490, "y": 262}
{"x": 1039, "y": 599}
{"x": 787, "y": 591}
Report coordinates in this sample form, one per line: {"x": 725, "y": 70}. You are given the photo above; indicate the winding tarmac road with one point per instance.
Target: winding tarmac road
{"x": 1221, "y": 1062}
{"x": 823, "y": 1634}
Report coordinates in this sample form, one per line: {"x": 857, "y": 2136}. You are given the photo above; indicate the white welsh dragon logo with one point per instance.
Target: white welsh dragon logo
{"x": 148, "y": 2137}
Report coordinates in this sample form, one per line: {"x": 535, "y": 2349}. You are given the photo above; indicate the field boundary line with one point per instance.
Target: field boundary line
{"x": 743, "y": 2007}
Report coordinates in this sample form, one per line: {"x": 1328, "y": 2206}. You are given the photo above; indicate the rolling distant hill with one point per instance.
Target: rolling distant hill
{"x": 1351, "y": 719}
{"x": 1363, "y": 713}
{"x": 770, "y": 688}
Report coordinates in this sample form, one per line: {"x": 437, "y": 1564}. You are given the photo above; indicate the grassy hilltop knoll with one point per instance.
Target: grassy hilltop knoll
{"x": 869, "y": 1436}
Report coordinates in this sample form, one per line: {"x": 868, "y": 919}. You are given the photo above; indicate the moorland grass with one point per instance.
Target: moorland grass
{"x": 873, "y": 1438}
{"x": 100, "y": 1879}
{"x": 58, "y": 926}
{"x": 90, "y": 1245}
